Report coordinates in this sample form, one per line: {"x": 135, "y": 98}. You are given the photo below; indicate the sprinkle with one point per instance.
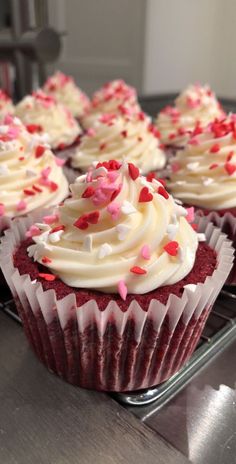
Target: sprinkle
{"x": 89, "y": 192}
{"x": 145, "y": 252}
{"x": 21, "y": 205}
{"x": 128, "y": 208}
{"x": 124, "y": 133}
{"x": 172, "y": 230}
{"x": 104, "y": 250}
{"x": 102, "y": 146}
{"x": 190, "y": 214}
{"x": 50, "y": 219}
{"x": 45, "y": 172}
{"x": 55, "y": 236}
{"x": 57, "y": 228}
{"x": 39, "y": 151}
{"x": 88, "y": 243}
{"x": 2, "y": 209}
{"x": 21, "y": 158}
{"x": 230, "y": 168}
{"x": 151, "y": 176}
{"x": 162, "y": 181}
{"x": 230, "y": 156}
{"x": 59, "y": 161}
{"x": 46, "y": 260}
{"x": 192, "y": 166}
{"x": 162, "y": 191}
{"x": 172, "y": 248}
{"x": 32, "y": 128}
{"x": 33, "y": 231}
{"x": 47, "y": 277}
{"x": 28, "y": 192}
{"x": 194, "y": 226}
{"x": 53, "y": 186}
{"x": 114, "y": 210}
{"x": 180, "y": 210}
{"x": 99, "y": 171}
{"x": 122, "y": 289}
{"x": 93, "y": 217}
{"x": 37, "y": 188}
{"x": 215, "y": 148}
{"x": 83, "y": 221}
{"x": 145, "y": 196}
{"x": 122, "y": 230}
{"x": 133, "y": 171}
{"x": 138, "y": 270}
{"x": 201, "y": 237}
{"x": 213, "y": 166}
{"x": 208, "y": 181}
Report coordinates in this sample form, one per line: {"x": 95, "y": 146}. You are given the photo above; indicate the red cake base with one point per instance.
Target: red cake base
{"x": 113, "y": 362}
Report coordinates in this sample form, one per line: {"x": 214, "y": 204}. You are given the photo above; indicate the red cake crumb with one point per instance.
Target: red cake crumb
{"x": 205, "y": 264}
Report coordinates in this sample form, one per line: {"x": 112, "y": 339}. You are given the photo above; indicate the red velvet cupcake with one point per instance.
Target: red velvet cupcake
{"x": 114, "y": 287}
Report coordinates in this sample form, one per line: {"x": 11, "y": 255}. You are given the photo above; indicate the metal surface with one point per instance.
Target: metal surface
{"x": 44, "y": 420}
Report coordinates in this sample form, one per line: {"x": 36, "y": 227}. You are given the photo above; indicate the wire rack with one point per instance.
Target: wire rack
{"x": 219, "y": 331}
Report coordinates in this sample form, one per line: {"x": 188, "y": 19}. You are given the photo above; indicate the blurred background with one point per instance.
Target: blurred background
{"x": 159, "y": 46}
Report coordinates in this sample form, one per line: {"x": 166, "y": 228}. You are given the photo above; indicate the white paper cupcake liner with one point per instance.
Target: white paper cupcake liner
{"x": 113, "y": 350}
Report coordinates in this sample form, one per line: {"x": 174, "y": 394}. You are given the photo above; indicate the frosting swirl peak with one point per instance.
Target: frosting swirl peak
{"x": 117, "y": 233}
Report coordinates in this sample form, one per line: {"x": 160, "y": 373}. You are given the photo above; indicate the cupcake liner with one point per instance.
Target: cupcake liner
{"x": 227, "y": 223}
{"x": 113, "y": 350}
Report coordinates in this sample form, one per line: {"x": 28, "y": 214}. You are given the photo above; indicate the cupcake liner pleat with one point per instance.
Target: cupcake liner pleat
{"x": 112, "y": 350}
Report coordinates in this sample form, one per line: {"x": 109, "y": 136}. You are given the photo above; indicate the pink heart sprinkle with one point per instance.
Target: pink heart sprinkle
{"x": 50, "y": 219}
{"x": 33, "y": 231}
{"x": 114, "y": 210}
{"x": 45, "y": 172}
{"x": 122, "y": 289}
{"x": 145, "y": 252}
{"x": 190, "y": 215}
{"x": 21, "y": 205}
{"x": 59, "y": 161}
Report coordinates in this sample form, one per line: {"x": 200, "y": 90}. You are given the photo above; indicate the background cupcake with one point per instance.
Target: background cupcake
{"x": 115, "y": 97}
{"x": 6, "y": 104}
{"x": 204, "y": 173}
{"x": 64, "y": 89}
{"x": 41, "y": 113}
{"x": 131, "y": 287}
{"x": 195, "y": 106}
{"x": 133, "y": 138}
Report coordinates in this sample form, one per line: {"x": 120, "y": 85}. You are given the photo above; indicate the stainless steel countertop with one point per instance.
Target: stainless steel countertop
{"x": 43, "y": 420}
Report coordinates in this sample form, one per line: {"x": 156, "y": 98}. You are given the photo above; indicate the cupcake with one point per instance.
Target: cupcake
{"x": 195, "y": 106}
{"x": 204, "y": 174}
{"x": 41, "y": 113}
{"x": 64, "y": 89}
{"x": 114, "y": 287}
{"x": 133, "y": 138}
{"x": 31, "y": 176}
{"x": 6, "y": 104}
{"x": 115, "y": 97}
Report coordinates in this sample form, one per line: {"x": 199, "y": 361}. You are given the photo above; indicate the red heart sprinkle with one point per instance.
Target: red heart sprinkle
{"x": 48, "y": 277}
{"x": 138, "y": 270}
{"x": 230, "y": 155}
{"x": 172, "y": 248}
{"x": 57, "y": 228}
{"x": 145, "y": 195}
{"x": 81, "y": 223}
{"x": 32, "y": 128}
{"x": 46, "y": 260}
{"x": 37, "y": 189}
{"x": 215, "y": 148}
{"x": 162, "y": 191}
{"x": 230, "y": 168}
{"x": 53, "y": 186}
{"x": 213, "y": 166}
{"x": 162, "y": 181}
{"x": 28, "y": 192}
{"x": 133, "y": 171}
{"x": 93, "y": 217}
{"x": 89, "y": 192}
{"x": 39, "y": 151}
{"x": 150, "y": 176}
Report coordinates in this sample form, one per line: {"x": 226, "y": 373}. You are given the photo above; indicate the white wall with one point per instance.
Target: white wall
{"x": 188, "y": 41}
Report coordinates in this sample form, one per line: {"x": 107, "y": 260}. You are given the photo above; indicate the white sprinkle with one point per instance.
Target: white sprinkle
{"x": 192, "y": 166}
{"x": 181, "y": 254}
{"x": 179, "y": 202}
{"x": 207, "y": 181}
{"x": 17, "y": 121}
{"x": 128, "y": 208}
{"x": 30, "y": 173}
{"x": 43, "y": 237}
{"x": 3, "y": 129}
{"x": 81, "y": 178}
{"x": 201, "y": 237}
{"x": 4, "y": 170}
{"x": 55, "y": 236}
{"x": 88, "y": 243}
{"x": 104, "y": 250}
{"x": 122, "y": 230}
{"x": 191, "y": 287}
{"x": 180, "y": 211}
{"x": 102, "y": 171}
{"x": 42, "y": 226}
{"x": 173, "y": 218}
{"x": 172, "y": 230}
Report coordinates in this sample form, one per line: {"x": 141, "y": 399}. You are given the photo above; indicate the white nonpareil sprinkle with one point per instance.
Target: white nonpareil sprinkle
{"x": 207, "y": 181}
{"x": 192, "y": 166}
{"x": 180, "y": 211}
{"x": 172, "y": 230}
{"x": 122, "y": 230}
{"x": 104, "y": 250}
{"x": 128, "y": 208}
{"x": 201, "y": 237}
{"x": 88, "y": 243}
{"x": 55, "y": 236}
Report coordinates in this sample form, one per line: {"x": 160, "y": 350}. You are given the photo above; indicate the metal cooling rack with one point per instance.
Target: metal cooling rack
{"x": 219, "y": 331}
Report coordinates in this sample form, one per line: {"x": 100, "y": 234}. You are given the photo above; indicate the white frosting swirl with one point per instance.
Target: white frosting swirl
{"x": 52, "y": 117}
{"x": 115, "y": 97}
{"x": 204, "y": 173}
{"x": 113, "y": 137}
{"x": 66, "y": 92}
{"x": 6, "y": 104}
{"x": 101, "y": 242}
{"x": 30, "y": 177}
{"x": 195, "y": 105}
